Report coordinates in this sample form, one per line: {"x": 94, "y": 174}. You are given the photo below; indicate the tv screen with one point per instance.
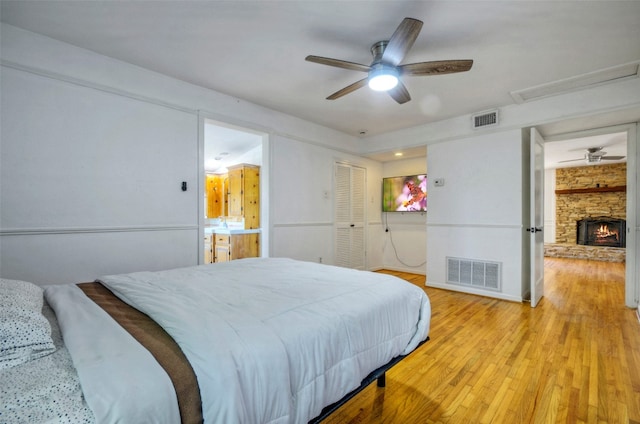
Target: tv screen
{"x": 404, "y": 194}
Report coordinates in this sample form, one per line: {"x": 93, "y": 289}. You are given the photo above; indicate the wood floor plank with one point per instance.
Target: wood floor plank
{"x": 574, "y": 358}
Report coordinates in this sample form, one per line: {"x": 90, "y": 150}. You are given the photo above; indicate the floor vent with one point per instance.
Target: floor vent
{"x": 468, "y": 272}
{"x": 485, "y": 119}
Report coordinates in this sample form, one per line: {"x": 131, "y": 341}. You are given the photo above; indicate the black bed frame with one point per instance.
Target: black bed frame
{"x": 378, "y": 374}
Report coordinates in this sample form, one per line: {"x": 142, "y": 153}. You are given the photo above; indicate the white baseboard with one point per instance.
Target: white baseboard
{"x": 471, "y": 290}
{"x": 409, "y": 270}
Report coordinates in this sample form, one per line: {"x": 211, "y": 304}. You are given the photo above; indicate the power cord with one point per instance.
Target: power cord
{"x": 395, "y": 251}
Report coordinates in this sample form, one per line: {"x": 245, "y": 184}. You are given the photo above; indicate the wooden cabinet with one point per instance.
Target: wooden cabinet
{"x": 208, "y": 252}
{"x": 222, "y": 248}
{"x": 216, "y": 187}
{"x": 228, "y": 247}
{"x": 244, "y": 194}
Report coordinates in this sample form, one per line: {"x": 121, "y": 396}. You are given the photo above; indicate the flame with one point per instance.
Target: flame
{"x": 603, "y": 232}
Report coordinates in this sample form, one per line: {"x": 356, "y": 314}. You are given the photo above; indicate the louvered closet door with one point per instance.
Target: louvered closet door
{"x": 349, "y": 216}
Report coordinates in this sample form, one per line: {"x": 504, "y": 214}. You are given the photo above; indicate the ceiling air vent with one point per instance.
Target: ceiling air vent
{"x": 485, "y": 119}
{"x": 579, "y": 82}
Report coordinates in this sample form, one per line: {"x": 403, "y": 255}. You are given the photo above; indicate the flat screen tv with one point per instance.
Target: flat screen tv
{"x": 404, "y": 194}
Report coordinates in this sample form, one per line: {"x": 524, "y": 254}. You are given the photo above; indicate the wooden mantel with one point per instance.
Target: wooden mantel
{"x": 592, "y": 190}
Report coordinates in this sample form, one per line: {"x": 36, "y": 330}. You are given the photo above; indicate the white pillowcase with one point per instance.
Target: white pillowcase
{"x": 25, "y": 333}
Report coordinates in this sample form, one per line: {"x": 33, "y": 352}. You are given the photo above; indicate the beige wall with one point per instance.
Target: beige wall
{"x": 573, "y": 207}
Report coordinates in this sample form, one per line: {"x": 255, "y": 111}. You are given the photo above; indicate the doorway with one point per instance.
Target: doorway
{"x": 225, "y": 146}
{"x": 584, "y": 150}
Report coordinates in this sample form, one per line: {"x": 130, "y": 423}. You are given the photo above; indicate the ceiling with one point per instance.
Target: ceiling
{"x": 556, "y": 153}
{"x": 255, "y": 50}
{"x": 224, "y": 146}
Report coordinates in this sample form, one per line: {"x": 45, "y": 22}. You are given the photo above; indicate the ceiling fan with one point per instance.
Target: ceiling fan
{"x": 594, "y": 155}
{"x": 385, "y": 71}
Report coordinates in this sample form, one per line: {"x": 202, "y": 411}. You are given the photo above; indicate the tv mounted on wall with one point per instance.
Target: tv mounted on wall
{"x": 404, "y": 194}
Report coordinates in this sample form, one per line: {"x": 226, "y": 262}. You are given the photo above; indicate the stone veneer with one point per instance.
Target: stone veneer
{"x": 571, "y": 208}
{"x": 576, "y": 251}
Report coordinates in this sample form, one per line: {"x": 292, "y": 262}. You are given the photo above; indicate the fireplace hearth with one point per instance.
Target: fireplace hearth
{"x": 601, "y": 231}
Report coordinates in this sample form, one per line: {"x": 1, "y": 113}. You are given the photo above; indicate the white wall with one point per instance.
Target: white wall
{"x": 302, "y": 205}
{"x": 94, "y": 152}
{"x": 75, "y": 157}
{"x": 601, "y": 106}
{"x": 253, "y": 156}
{"x": 632, "y": 292}
{"x": 477, "y": 214}
{"x": 87, "y": 177}
{"x": 404, "y": 246}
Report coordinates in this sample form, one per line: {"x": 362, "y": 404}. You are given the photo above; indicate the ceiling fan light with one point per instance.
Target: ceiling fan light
{"x": 383, "y": 78}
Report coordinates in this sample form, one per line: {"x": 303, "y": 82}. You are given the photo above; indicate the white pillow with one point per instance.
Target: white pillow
{"x": 25, "y": 333}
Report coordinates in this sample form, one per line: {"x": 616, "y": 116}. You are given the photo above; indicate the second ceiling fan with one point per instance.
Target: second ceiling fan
{"x": 594, "y": 155}
{"x": 385, "y": 71}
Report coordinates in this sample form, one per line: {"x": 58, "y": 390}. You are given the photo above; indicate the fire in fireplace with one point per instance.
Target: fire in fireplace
{"x": 601, "y": 231}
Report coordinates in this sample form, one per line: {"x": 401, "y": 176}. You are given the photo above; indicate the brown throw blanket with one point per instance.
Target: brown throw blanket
{"x": 158, "y": 343}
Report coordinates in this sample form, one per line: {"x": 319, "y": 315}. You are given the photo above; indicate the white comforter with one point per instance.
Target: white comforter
{"x": 274, "y": 340}
{"x": 120, "y": 379}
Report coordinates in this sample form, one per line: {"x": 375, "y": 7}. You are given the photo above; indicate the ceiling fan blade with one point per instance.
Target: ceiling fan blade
{"x": 570, "y": 160}
{"x": 401, "y": 41}
{"x": 338, "y": 63}
{"x": 348, "y": 89}
{"x": 612, "y": 157}
{"x": 400, "y": 93}
{"x": 437, "y": 67}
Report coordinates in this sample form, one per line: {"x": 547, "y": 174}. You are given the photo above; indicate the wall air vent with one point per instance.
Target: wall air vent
{"x": 484, "y": 119}
{"x": 480, "y": 274}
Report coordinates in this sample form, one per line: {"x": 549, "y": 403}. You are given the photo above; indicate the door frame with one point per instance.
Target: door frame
{"x": 265, "y": 167}
{"x": 632, "y": 265}
{"x": 536, "y": 216}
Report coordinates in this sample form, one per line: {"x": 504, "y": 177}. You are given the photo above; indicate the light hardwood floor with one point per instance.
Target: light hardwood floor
{"x": 575, "y": 358}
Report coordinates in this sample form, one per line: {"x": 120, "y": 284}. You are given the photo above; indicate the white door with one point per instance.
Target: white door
{"x": 349, "y": 216}
{"x": 536, "y": 220}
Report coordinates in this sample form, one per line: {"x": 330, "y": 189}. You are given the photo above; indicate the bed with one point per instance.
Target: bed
{"x": 257, "y": 340}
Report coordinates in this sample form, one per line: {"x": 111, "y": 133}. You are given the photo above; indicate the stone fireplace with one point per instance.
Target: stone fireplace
{"x": 601, "y": 231}
{"x": 584, "y": 194}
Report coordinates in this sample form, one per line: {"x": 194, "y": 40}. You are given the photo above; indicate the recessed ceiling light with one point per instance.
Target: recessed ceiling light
{"x": 224, "y": 153}
{"x": 362, "y": 132}
{"x": 398, "y": 153}
{"x": 218, "y": 158}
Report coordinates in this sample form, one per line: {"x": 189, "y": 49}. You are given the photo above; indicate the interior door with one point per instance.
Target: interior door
{"x": 349, "y": 216}
{"x": 536, "y": 217}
